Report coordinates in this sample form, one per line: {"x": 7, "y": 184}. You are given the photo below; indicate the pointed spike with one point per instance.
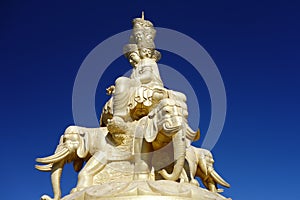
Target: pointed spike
{"x": 44, "y": 168}
{"x": 54, "y": 158}
{"x": 143, "y": 15}
{"x": 219, "y": 179}
{"x": 166, "y": 175}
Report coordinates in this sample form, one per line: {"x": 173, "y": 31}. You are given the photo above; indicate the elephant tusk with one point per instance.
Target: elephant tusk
{"x": 219, "y": 179}
{"x": 56, "y": 157}
{"x": 44, "y": 168}
{"x": 167, "y": 176}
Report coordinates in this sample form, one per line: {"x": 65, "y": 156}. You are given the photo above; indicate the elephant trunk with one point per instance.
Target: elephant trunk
{"x": 56, "y": 172}
{"x": 55, "y": 164}
{"x": 179, "y": 146}
{"x": 55, "y": 178}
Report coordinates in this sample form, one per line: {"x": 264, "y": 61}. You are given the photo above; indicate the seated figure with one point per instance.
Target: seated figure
{"x": 137, "y": 125}
{"x": 134, "y": 97}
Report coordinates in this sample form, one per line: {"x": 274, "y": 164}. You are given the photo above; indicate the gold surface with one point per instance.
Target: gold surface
{"x": 142, "y": 149}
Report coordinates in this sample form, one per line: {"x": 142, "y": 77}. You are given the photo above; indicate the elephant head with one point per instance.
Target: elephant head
{"x": 201, "y": 164}
{"x": 207, "y": 173}
{"x": 169, "y": 119}
{"x": 71, "y": 147}
{"x": 76, "y": 145}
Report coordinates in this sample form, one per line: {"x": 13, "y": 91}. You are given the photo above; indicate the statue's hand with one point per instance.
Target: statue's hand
{"x": 110, "y": 90}
{"x": 117, "y": 125}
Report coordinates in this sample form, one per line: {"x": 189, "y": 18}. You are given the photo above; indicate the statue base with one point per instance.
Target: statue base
{"x": 144, "y": 189}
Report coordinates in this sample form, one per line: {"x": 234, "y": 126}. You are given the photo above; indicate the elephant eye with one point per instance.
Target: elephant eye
{"x": 166, "y": 111}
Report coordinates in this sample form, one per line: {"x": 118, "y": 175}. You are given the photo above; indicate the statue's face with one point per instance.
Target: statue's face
{"x": 148, "y": 63}
{"x": 139, "y": 36}
{"x": 134, "y": 58}
{"x": 146, "y": 53}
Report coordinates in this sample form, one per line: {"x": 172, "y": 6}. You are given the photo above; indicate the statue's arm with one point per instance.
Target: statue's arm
{"x": 146, "y": 74}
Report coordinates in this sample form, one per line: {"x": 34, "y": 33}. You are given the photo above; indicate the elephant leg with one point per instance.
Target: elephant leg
{"x": 192, "y": 164}
{"x": 147, "y": 153}
{"x": 192, "y": 175}
{"x": 183, "y": 177}
{"x": 195, "y": 182}
{"x": 142, "y": 158}
{"x": 211, "y": 185}
{"x": 86, "y": 175}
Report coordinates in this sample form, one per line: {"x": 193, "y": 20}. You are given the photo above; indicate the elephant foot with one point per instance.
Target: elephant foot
{"x": 117, "y": 125}
{"x": 195, "y": 182}
{"x": 74, "y": 190}
{"x": 142, "y": 176}
{"x": 212, "y": 187}
{"x": 46, "y": 197}
{"x": 77, "y": 189}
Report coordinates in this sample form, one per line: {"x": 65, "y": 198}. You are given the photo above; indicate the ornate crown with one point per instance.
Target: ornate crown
{"x": 143, "y": 33}
{"x": 142, "y": 36}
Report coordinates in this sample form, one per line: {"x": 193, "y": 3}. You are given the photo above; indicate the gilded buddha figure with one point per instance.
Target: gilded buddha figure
{"x": 140, "y": 121}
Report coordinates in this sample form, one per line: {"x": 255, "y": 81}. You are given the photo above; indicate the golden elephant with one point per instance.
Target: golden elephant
{"x": 77, "y": 145}
{"x": 200, "y": 164}
{"x": 166, "y": 124}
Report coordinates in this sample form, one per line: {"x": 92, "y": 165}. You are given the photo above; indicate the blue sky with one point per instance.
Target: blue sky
{"x": 255, "y": 45}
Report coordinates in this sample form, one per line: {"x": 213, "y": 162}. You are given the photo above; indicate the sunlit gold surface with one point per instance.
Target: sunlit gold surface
{"x": 142, "y": 149}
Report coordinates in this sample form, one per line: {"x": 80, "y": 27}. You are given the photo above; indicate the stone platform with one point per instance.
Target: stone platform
{"x": 161, "y": 190}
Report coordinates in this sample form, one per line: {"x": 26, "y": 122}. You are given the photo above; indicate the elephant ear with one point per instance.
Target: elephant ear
{"x": 191, "y": 134}
{"x": 150, "y": 124}
{"x": 82, "y": 150}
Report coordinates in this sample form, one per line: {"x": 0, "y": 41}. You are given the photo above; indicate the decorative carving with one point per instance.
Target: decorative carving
{"x": 143, "y": 145}
{"x": 161, "y": 190}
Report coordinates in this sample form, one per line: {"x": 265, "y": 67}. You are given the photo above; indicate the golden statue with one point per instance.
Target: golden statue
{"x": 142, "y": 148}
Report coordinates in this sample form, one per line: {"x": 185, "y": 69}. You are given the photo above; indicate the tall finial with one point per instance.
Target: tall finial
{"x": 143, "y": 17}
